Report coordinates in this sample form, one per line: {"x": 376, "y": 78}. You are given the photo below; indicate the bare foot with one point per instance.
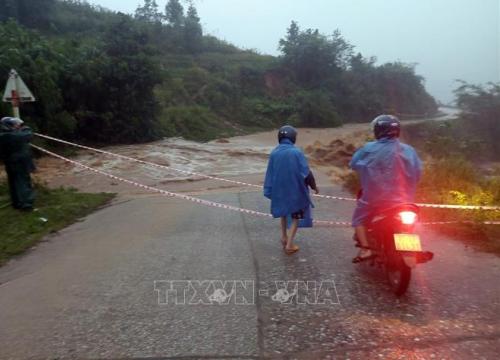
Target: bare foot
{"x": 292, "y": 249}
{"x": 284, "y": 241}
{"x": 363, "y": 255}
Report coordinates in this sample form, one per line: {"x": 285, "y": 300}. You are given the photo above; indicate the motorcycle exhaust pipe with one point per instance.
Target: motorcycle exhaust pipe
{"x": 424, "y": 257}
{"x": 412, "y": 259}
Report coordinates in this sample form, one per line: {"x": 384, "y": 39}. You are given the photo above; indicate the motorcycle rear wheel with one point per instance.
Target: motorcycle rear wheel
{"x": 399, "y": 278}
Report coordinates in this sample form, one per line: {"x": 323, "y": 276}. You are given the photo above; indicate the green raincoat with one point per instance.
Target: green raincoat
{"x": 15, "y": 152}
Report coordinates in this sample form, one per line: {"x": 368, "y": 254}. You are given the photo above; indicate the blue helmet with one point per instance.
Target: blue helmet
{"x": 10, "y": 123}
{"x": 287, "y": 132}
{"x": 386, "y": 126}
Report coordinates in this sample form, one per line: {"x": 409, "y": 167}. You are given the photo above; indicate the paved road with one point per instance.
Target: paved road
{"x": 89, "y": 291}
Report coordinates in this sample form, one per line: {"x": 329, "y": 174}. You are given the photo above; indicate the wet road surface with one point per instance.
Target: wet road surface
{"x": 89, "y": 291}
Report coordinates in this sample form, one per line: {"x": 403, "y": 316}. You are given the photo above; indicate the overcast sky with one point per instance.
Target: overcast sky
{"x": 448, "y": 39}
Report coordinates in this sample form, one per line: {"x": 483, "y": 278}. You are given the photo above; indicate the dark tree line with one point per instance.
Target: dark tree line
{"x": 185, "y": 29}
{"x": 355, "y": 87}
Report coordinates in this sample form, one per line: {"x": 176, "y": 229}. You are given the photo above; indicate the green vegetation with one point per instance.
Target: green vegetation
{"x": 61, "y": 207}
{"x": 456, "y": 181}
{"x": 107, "y": 77}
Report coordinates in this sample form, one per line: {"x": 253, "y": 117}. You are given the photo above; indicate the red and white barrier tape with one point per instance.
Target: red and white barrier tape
{"x": 331, "y": 197}
{"x": 461, "y": 207}
{"x": 147, "y": 162}
{"x": 461, "y": 222}
{"x": 180, "y": 196}
{"x": 175, "y": 169}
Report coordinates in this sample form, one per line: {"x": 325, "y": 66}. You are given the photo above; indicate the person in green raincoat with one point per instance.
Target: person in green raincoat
{"x": 15, "y": 152}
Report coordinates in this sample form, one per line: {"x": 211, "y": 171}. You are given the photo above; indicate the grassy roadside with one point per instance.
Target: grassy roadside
{"x": 56, "y": 209}
{"x": 458, "y": 182}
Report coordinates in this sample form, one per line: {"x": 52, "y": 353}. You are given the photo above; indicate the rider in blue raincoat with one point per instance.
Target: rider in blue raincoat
{"x": 389, "y": 172}
{"x": 286, "y": 185}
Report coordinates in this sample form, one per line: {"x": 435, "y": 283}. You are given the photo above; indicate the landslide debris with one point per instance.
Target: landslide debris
{"x": 337, "y": 153}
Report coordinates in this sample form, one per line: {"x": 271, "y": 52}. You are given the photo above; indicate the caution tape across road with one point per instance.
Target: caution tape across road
{"x": 330, "y": 197}
{"x": 180, "y": 196}
{"x": 470, "y": 222}
{"x": 146, "y": 162}
{"x": 319, "y": 223}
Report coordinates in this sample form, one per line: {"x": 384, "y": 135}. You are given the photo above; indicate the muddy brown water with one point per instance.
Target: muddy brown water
{"x": 241, "y": 157}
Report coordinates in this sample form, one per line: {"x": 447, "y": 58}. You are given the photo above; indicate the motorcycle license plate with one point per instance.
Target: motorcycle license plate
{"x": 407, "y": 242}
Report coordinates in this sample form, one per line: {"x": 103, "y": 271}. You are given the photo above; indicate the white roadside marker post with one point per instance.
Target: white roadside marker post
{"x": 16, "y": 92}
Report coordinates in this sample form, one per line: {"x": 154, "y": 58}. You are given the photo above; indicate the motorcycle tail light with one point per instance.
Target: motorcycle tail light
{"x": 408, "y": 217}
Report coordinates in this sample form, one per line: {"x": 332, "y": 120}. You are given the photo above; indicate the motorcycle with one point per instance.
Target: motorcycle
{"x": 396, "y": 246}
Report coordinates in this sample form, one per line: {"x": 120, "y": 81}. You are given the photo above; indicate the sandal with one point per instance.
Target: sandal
{"x": 283, "y": 243}
{"x": 291, "y": 251}
{"x": 360, "y": 258}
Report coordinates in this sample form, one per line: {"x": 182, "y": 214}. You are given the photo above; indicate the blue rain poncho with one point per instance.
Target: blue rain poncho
{"x": 285, "y": 178}
{"x": 389, "y": 172}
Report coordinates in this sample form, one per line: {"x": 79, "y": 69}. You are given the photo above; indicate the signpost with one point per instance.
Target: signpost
{"x": 16, "y": 92}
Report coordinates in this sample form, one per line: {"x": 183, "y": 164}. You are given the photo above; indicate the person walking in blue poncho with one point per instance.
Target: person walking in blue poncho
{"x": 287, "y": 183}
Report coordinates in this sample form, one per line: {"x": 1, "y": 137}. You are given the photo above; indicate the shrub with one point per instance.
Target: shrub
{"x": 316, "y": 110}
{"x": 191, "y": 122}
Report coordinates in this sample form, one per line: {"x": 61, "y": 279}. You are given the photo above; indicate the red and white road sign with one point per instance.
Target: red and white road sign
{"x": 16, "y": 90}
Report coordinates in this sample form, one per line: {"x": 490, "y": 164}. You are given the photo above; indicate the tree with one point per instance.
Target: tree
{"x": 111, "y": 86}
{"x": 39, "y": 64}
{"x": 403, "y": 91}
{"x": 313, "y": 57}
{"x": 358, "y": 93}
{"x": 193, "y": 32}
{"x": 341, "y": 48}
{"x": 174, "y": 13}
{"x": 288, "y": 44}
{"x": 316, "y": 110}
{"x": 149, "y": 12}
